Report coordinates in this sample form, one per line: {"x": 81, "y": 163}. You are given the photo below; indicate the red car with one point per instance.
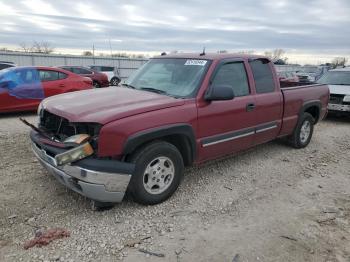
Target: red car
{"x": 23, "y": 88}
{"x": 98, "y": 79}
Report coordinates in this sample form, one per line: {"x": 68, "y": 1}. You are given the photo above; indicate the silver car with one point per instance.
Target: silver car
{"x": 338, "y": 81}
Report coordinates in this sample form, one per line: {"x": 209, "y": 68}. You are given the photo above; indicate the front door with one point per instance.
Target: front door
{"x": 24, "y": 91}
{"x": 227, "y": 126}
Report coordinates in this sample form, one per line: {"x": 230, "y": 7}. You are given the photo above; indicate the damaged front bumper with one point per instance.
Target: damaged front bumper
{"x": 101, "y": 180}
{"x": 339, "y": 107}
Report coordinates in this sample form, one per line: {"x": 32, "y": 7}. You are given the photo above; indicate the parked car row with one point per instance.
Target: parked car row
{"x": 98, "y": 79}
{"x": 23, "y": 88}
{"x": 111, "y": 72}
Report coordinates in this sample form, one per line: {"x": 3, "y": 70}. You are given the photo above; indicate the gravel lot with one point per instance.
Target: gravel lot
{"x": 271, "y": 203}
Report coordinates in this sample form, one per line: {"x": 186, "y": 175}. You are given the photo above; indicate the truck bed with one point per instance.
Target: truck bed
{"x": 295, "y": 98}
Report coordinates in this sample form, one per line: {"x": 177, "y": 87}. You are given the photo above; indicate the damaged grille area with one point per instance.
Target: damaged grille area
{"x": 336, "y": 99}
{"x": 61, "y": 128}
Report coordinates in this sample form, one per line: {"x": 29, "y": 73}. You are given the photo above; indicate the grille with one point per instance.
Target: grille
{"x": 62, "y": 128}
{"x": 336, "y": 99}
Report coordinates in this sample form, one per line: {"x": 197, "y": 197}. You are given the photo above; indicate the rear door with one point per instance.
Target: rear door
{"x": 268, "y": 99}
{"x": 227, "y": 126}
{"x": 53, "y": 82}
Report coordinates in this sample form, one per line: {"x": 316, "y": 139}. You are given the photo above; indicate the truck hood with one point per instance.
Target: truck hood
{"x": 339, "y": 89}
{"x": 107, "y": 104}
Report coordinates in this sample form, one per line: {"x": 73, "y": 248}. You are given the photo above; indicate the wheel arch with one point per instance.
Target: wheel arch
{"x": 180, "y": 135}
{"x": 313, "y": 108}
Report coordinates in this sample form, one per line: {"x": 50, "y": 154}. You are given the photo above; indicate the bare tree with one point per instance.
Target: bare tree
{"x": 87, "y": 53}
{"x": 42, "y": 47}
{"x": 47, "y": 47}
{"x": 339, "y": 61}
{"x": 277, "y": 55}
{"x": 24, "y": 47}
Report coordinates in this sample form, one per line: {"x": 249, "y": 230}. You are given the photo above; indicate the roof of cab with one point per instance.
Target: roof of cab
{"x": 210, "y": 56}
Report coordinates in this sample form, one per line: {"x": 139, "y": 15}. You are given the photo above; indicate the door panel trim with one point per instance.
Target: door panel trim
{"x": 221, "y": 138}
{"x": 265, "y": 127}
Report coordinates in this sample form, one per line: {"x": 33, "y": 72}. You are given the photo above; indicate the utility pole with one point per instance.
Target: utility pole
{"x": 93, "y": 53}
{"x": 110, "y": 47}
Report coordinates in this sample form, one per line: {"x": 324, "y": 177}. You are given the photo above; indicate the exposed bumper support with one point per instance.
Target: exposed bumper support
{"x": 96, "y": 182}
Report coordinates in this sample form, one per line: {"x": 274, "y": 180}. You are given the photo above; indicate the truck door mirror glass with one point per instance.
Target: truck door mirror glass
{"x": 218, "y": 93}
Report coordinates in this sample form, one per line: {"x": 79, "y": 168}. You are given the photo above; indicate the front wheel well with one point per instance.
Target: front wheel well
{"x": 181, "y": 142}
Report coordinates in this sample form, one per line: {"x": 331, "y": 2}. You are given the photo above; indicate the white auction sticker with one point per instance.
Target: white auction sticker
{"x": 196, "y": 62}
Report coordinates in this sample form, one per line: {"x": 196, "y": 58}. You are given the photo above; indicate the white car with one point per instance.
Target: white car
{"x": 110, "y": 71}
{"x": 338, "y": 81}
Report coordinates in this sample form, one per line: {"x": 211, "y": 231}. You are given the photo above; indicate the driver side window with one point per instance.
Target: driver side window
{"x": 233, "y": 75}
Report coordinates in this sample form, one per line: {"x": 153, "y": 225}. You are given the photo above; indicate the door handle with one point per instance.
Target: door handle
{"x": 61, "y": 85}
{"x": 250, "y": 107}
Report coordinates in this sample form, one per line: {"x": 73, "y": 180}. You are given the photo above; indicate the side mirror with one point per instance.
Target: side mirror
{"x": 218, "y": 93}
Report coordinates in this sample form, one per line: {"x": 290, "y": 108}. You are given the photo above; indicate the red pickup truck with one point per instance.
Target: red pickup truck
{"x": 177, "y": 110}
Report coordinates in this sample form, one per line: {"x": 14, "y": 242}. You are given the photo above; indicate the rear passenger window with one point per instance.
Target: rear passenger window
{"x": 62, "y": 75}
{"x": 263, "y": 77}
{"x": 233, "y": 75}
{"x": 48, "y": 75}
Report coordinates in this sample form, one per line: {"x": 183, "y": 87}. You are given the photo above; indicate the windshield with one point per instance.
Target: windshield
{"x": 335, "y": 78}
{"x": 170, "y": 76}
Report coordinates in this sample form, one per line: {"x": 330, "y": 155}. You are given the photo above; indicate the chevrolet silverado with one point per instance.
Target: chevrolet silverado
{"x": 175, "y": 111}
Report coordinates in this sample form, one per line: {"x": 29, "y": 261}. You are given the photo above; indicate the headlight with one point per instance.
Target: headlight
{"x": 346, "y": 98}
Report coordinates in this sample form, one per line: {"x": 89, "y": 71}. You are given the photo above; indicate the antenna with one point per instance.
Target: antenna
{"x": 203, "y": 53}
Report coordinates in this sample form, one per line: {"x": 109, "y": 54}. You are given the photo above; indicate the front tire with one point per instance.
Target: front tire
{"x": 302, "y": 134}
{"x": 158, "y": 172}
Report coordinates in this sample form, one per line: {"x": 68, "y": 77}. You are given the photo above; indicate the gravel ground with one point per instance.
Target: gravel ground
{"x": 271, "y": 203}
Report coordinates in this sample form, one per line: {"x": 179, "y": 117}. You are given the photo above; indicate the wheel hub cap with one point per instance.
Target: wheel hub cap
{"x": 158, "y": 175}
{"x": 305, "y": 131}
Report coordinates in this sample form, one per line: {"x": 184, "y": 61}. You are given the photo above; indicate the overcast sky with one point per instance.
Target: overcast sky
{"x": 303, "y": 28}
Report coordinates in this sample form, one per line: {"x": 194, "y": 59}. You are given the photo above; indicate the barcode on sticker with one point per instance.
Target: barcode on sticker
{"x": 196, "y": 62}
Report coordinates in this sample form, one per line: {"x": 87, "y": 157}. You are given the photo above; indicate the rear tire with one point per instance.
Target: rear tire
{"x": 302, "y": 134}
{"x": 158, "y": 172}
{"x": 96, "y": 84}
{"x": 115, "y": 81}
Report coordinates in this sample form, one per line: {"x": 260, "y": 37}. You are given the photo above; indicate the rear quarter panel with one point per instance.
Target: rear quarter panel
{"x": 297, "y": 98}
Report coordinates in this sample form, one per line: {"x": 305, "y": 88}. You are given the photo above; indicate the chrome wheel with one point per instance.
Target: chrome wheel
{"x": 305, "y": 131}
{"x": 159, "y": 175}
